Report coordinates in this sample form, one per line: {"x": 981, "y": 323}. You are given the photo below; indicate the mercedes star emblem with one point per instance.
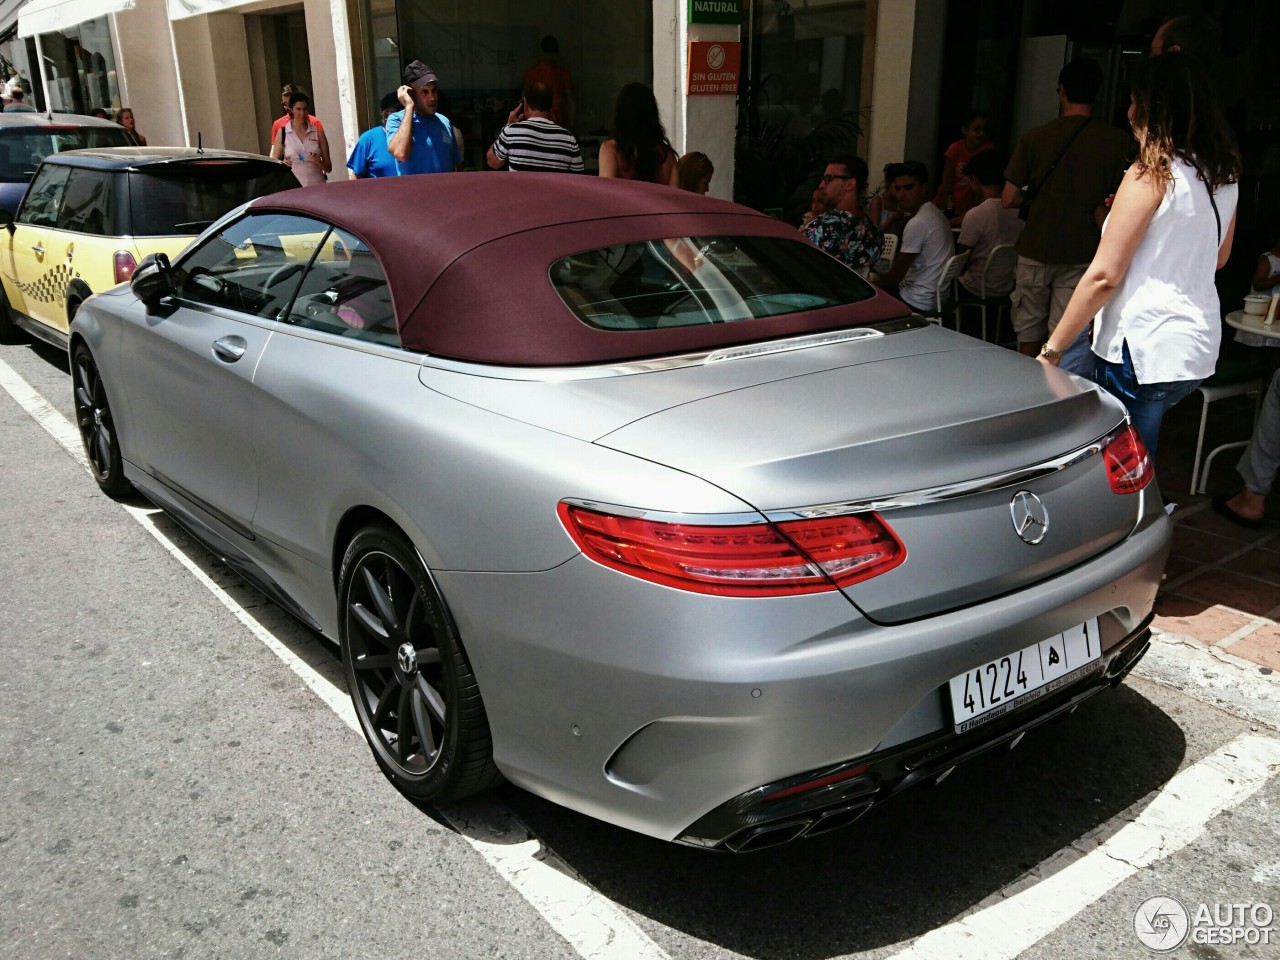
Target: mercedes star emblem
{"x": 1030, "y": 516}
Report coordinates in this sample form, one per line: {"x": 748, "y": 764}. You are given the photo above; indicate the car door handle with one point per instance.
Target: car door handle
{"x": 37, "y": 250}
{"x": 230, "y": 349}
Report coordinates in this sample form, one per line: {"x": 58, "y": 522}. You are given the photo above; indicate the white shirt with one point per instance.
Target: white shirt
{"x": 985, "y": 227}
{"x": 927, "y": 234}
{"x": 1166, "y": 307}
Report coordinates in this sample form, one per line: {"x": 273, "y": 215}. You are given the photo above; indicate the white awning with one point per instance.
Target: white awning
{"x": 52, "y": 16}
{"x": 181, "y": 9}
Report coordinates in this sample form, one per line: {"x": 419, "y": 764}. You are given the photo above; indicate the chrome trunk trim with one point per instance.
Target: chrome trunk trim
{"x": 629, "y": 368}
{"x": 951, "y": 491}
{"x": 894, "y": 501}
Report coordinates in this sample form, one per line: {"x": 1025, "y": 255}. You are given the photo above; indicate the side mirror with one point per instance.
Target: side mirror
{"x": 6, "y": 221}
{"x": 153, "y": 279}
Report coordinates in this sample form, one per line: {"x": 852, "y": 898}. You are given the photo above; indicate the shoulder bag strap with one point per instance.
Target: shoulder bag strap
{"x": 1032, "y": 194}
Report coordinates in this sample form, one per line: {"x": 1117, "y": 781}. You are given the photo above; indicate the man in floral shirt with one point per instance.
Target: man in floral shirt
{"x": 844, "y": 230}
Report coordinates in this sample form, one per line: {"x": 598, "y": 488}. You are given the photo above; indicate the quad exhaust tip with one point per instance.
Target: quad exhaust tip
{"x": 784, "y": 831}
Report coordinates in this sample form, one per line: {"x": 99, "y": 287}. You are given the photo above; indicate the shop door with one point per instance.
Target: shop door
{"x": 284, "y": 42}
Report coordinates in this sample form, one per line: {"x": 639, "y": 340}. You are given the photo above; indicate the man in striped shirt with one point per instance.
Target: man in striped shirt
{"x": 532, "y": 141}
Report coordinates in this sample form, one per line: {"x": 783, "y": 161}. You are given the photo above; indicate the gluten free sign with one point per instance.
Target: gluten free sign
{"x": 714, "y": 66}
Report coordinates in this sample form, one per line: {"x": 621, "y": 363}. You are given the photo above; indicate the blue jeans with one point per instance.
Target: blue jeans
{"x": 1146, "y": 402}
{"x": 1078, "y": 357}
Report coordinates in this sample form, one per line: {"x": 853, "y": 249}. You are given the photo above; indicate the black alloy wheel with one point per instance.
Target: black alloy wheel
{"x": 410, "y": 680}
{"x": 97, "y": 426}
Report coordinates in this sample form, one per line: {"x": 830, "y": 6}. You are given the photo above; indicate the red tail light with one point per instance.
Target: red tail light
{"x": 1129, "y": 466}
{"x": 746, "y": 560}
{"x": 125, "y": 265}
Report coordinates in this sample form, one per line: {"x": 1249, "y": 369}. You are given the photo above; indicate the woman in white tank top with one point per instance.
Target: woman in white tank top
{"x": 1149, "y": 291}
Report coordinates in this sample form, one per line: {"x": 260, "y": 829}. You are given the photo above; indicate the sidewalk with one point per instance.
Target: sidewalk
{"x": 1222, "y": 582}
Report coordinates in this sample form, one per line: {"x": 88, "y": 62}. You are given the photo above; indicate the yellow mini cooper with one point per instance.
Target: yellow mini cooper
{"x": 90, "y": 216}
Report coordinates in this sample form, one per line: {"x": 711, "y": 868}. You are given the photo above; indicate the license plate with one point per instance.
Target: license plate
{"x": 993, "y": 689}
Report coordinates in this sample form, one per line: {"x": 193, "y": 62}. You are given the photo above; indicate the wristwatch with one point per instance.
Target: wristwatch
{"x": 1049, "y": 353}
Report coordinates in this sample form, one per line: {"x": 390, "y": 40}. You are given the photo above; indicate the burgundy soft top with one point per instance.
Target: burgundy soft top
{"x": 467, "y": 258}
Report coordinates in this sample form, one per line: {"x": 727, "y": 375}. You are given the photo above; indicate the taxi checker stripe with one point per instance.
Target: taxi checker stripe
{"x": 51, "y": 287}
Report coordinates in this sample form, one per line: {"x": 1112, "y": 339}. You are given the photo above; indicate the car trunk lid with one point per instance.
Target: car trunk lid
{"x": 938, "y": 443}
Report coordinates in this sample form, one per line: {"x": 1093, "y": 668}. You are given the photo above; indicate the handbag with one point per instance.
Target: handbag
{"x": 1029, "y": 194}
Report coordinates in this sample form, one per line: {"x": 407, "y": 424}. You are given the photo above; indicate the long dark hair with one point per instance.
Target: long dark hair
{"x": 638, "y": 132}
{"x": 1175, "y": 114}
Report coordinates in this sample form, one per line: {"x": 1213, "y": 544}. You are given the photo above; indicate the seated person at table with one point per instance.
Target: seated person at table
{"x": 842, "y": 229}
{"x": 927, "y": 242}
{"x": 987, "y": 226}
{"x": 1257, "y": 467}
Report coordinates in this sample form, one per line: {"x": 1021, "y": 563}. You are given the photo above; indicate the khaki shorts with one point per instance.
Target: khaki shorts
{"x": 1040, "y": 295}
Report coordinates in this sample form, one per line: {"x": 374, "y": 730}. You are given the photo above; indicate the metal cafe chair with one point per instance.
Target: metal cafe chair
{"x": 1001, "y": 259}
{"x": 943, "y": 294}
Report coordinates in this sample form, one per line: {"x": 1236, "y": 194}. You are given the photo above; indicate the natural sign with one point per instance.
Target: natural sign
{"x": 715, "y": 11}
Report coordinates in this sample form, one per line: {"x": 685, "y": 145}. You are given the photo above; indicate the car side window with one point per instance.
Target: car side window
{"x": 345, "y": 292}
{"x": 88, "y": 205}
{"x": 253, "y": 265}
{"x": 44, "y": 196}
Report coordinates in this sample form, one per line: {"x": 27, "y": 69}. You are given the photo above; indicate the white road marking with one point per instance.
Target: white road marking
{"x": 594, "y": 926}
{"x": 43, "y": 413}
{"x": 1071, "y": 883}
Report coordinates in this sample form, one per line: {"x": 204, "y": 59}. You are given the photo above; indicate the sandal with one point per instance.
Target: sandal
{"x": 1221, "y": 506}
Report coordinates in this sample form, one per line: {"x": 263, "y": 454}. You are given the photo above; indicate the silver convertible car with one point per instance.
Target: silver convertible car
{"x": 628, "y": 496}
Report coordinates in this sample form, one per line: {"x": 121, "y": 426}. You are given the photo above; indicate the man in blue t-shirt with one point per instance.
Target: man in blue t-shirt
{"x": 427, "y": 142}
{"x": 371, "y": 158}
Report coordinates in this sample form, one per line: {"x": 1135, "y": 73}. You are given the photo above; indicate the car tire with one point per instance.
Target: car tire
{"x": 10, "y": 332}
{"x": 410, "y": 680}
{"x": 73, "y": 307}
{"x": 97, "y": 425}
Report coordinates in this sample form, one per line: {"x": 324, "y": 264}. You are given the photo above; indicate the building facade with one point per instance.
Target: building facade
{"x": 210, "y": 71}
{"x": 773, "y": 89}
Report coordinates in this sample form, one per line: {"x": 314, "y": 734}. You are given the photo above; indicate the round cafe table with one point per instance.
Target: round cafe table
{"x": 1253, "y": 324}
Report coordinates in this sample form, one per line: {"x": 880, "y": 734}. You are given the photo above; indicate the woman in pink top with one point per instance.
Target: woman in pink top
{"x": 955, "y": 192}
{"x": 302, "y": 144}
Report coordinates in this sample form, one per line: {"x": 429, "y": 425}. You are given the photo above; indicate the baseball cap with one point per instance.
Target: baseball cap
{"x": 418, "y": 74}
{"x": 389, "y": 102}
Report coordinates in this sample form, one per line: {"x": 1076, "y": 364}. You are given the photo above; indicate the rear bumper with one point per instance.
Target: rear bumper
{"x": 658, "y": 710}
{"x": 752, "y": 821}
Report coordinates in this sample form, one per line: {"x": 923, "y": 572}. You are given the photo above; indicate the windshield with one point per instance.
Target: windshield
{"x": 173, "y": 199}
{"x": 687, "y": 281}
{"x": 22, "y": 149}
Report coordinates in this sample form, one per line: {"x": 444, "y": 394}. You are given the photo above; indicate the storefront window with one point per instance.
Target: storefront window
{"x": 80, "y": 67}
{"x": 800, "y": 98}
{"x": 15, "y": 66}
{"x": 481, "y": 52}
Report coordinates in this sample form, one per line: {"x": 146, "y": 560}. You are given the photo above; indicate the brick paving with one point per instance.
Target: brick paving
{"x": 1222, "y": 582}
